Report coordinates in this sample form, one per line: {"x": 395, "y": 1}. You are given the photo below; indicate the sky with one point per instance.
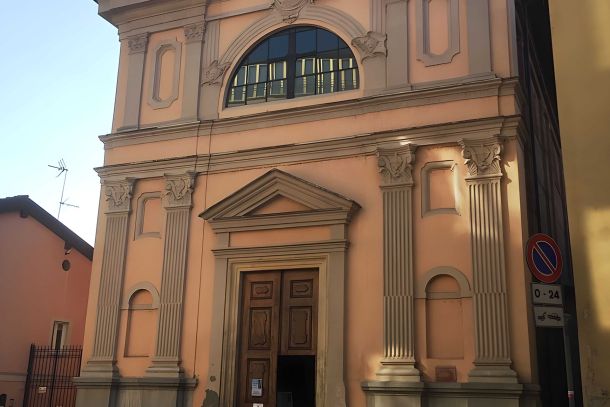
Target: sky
{"x": 58, "y": 77}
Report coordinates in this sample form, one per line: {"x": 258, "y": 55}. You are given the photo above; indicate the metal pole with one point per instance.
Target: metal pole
{"x": 55, "y": 356}
{"x": 61, "y": 200}
{"x": 28, "y": 380}
{"x": 568, "y": 356}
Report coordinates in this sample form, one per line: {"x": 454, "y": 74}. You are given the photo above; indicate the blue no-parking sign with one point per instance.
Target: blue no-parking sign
{"x": 544, "y": 258}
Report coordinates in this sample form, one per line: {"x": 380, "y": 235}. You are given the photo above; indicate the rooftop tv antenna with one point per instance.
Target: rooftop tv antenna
{"x": 61, "y": 167}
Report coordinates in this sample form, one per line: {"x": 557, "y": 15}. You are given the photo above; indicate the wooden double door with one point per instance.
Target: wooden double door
{"x": 277, "y": 347}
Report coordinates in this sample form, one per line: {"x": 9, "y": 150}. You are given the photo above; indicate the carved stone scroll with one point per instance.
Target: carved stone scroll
{"x": 214, "y": 73}
{"x": 290, "y": 9}
{"x": 371, "y": 45}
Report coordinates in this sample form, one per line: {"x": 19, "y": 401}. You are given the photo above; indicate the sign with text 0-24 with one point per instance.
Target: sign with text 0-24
{"x": 544, "y": 258}
{"x": 547, "y": 294}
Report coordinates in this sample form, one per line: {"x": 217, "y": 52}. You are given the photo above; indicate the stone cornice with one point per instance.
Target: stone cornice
{"x": 389, "y": 101}
{"x": 128, "y": 12}
{"x": 337, "y": 245}
{"x": 291, "y": 220}
{"x": 359, "y": 145}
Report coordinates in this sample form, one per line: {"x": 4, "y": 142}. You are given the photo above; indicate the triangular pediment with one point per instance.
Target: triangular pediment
{"x": 279, "y": 199}
{"x": 279, "y": 204}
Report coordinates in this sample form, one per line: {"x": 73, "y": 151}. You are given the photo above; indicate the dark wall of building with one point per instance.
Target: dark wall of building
{"x": 546, "y": 195}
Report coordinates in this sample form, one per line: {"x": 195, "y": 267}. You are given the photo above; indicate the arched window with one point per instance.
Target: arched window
{"x": 299, "y": 61}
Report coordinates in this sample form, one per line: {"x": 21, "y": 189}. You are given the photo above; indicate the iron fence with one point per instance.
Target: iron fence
{"x": 50, "y": 372}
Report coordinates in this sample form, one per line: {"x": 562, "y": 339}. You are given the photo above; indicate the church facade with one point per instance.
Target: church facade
{"x": 317, "y": 203}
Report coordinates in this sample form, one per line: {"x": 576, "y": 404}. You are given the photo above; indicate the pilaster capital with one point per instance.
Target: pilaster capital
{"x": 178, "y": 190}
{"x": 137, "y": 43}
{"x": 371, "y": 45}
{"x": 395, "y": 165}
{"x": 482, "y": 157}
{"x": 194, "y": 32}
{"x": 118, "y": 195}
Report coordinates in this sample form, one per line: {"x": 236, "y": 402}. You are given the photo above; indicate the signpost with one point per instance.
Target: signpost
{"x": 545, "y": 262}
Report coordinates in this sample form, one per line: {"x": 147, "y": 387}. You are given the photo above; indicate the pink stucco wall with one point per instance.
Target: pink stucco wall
{"x": 34, "y": 292}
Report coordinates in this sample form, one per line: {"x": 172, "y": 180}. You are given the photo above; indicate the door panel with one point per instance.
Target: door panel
{"x": 259, "y": 337}
{"x": 279, "y": 316}
{"x": 299, "y": 312}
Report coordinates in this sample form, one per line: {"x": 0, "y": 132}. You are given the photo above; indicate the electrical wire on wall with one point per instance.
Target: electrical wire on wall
{"x": 205, "y": 200}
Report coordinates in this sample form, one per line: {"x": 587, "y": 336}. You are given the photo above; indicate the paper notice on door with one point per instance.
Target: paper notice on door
{"x": 257, "y": 405}
{"x": 257, "y": 388}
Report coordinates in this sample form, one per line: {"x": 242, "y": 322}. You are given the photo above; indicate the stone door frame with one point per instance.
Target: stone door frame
{"x": 233, "y": 215}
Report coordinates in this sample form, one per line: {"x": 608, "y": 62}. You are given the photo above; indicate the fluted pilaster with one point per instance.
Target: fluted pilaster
{"x": 398, "y": 293}
{"x": 166, "y": 361}
{"x": 136, "y": 58}
{"x": 193, "y": 34}
{"x": 492, "y": 345}
{"x": 103, "y": 358}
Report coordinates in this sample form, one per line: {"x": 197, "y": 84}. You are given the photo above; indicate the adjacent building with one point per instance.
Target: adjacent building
{"x": 580, "y": 33}
{"x": 324, "y": 203}
{"x": 45, "y": 270}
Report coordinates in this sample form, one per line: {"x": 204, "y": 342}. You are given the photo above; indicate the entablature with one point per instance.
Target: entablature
{"x": 133, "y": 17}
{"x": 432, "y": 94}
{"x": 507, "y": 127}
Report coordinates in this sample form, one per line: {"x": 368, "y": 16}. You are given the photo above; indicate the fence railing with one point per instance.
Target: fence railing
{"x": 50, "y": 372}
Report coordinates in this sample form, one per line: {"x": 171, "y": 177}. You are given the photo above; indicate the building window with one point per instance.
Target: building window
{"x": 296, "y": 62}
{"x": 60, "y": 334}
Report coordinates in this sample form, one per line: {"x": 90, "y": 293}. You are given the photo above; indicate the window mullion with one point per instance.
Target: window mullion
{"x": 291, "y": 61}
